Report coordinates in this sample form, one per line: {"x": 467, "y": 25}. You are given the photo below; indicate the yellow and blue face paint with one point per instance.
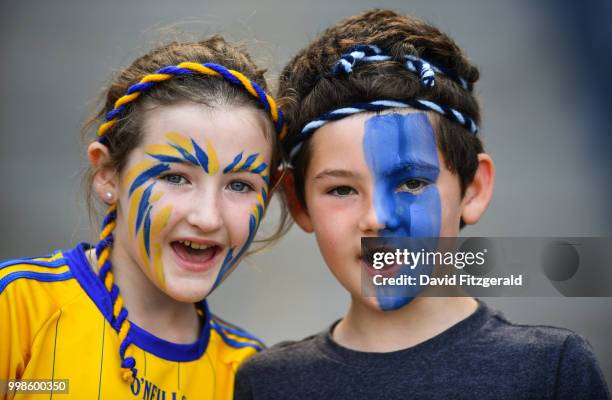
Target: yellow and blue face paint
{"x": 179, "y": 149}
{"x": 401, "y": 152}
{"x": 141, "y": 199}
{"x": 254, "y": 164}
{"x": 182, "y": 149}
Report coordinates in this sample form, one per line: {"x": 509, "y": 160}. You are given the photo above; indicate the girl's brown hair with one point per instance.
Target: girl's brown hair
{"x": 308, "y": 88}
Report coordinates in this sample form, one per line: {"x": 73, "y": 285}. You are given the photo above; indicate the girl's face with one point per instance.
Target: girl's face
{"x": 389, "y": 179}
{"x": 191, "y": 196}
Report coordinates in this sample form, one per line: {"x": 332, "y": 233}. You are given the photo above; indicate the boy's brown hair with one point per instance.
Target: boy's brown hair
{"x": 308, "y": 88}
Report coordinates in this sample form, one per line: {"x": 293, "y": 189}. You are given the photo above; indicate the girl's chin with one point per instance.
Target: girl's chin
{"x": 189, "y": 289}
{"x": 185, "y": 294}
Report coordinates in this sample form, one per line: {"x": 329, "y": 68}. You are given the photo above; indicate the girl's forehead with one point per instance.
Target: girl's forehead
{"x": 229, "y": 129}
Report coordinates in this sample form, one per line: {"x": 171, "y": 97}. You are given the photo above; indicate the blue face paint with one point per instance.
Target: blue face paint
{"x": 402, "y": 149}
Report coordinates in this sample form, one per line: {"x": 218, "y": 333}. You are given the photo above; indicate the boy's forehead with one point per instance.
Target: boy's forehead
{"x": 396, "y": 136}
{"x": 339, "y": 145}
{"x": 393, "y": 141}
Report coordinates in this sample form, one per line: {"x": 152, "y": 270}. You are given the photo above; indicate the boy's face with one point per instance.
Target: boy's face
{"x": 377, "y": 175}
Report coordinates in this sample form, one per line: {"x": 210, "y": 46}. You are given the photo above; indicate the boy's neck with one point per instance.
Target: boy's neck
{"x": 367, "y": 329}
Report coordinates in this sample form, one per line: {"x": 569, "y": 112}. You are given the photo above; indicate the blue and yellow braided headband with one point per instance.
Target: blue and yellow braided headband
{"x": 189, "y": 68}
{"x": 119, "y": 320}
{"x": 371, "y": 53}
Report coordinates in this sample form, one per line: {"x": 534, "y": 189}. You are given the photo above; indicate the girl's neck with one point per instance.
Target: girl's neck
{"x": 367, "y": 329}
{"x": 149, "y": 307}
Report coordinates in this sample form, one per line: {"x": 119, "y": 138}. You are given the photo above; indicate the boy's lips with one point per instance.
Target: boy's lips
{"x": 196, "y": 255}
{"x": 387, "y": 271}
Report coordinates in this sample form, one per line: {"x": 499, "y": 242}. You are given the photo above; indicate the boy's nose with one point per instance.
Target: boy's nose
{"x": 382, "y": 210}
{"x": 369, "y": 223}
{"x": 204, "y": 212}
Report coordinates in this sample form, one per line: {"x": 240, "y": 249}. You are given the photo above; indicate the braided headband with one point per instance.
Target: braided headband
{"x": 189, "y": 68}
{"x": 380, "y": 105}
{"x": 371, "y": 53}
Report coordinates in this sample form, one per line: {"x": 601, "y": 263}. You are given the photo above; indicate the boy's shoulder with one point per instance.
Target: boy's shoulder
{"x": 501, "y": 333}
{"x": 287, "y": 355}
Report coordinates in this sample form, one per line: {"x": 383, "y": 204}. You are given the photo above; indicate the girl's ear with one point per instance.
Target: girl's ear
{"x": 105, "y": 181}
{"x": 297, "y": 210}
{"x": 479, "y": 193}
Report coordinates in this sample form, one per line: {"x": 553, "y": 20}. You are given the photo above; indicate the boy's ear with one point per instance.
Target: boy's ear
{"x": 297, "y": 210}
{"x": 479, "y": 193}
{"x": 105, "y": 181}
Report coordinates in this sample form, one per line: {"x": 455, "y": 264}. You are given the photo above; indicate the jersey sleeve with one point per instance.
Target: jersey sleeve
{"x": 13, "y": 336}
{"x": 578, "y": 374}
{"x": 26, "y": 304}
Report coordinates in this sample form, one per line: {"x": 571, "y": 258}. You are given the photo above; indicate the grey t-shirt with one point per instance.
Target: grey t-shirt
{"x": 481, "y": 357}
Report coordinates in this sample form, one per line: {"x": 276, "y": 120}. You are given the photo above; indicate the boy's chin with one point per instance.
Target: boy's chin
{"x": 393, "y": 303}
{"x": 386, "y": 303}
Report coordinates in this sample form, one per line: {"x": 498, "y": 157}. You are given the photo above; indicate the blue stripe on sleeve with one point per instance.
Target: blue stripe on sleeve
{"x": 55, "y": 263}
{"x": 37, "y": 276}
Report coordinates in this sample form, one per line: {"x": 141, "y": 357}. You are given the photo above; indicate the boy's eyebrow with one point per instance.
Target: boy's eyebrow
{"x": 337, "y": 173}
{"x": 417, "y": 166}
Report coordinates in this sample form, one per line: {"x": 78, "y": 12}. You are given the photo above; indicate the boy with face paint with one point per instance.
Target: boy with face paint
{"x": 382, "y": 141}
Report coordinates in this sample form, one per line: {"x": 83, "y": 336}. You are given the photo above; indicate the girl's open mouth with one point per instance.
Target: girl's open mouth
{"x": 194, "y": 256}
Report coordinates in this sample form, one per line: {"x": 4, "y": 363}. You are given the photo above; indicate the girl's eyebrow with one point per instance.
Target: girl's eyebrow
{"x": 253, "y": 164}
{"x": 337, "y": 173}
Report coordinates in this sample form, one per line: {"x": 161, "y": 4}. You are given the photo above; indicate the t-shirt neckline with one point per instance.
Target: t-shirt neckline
{"x": 326, "y": 343}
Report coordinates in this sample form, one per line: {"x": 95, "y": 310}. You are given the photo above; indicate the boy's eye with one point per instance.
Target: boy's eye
{"x": 175, "y": 179}
{"x": 412, "y": 186}
{"x": 342, "y": 191}
{"x": 240, "y": 187}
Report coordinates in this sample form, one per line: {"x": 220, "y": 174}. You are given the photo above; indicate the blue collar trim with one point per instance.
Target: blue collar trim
{"x": 150, "y": 343}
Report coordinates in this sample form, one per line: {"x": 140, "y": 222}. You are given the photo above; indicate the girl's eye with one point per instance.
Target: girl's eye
{"x": 412, "y": 186}
{"x": 240, "y": 187}
{"x": 342, "y": 191}
{"x": 175, "y": 179}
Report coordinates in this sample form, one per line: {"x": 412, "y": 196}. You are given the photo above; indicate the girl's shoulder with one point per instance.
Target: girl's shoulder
{"x": 49, "y": 277}
{"x": 233, "y": 338}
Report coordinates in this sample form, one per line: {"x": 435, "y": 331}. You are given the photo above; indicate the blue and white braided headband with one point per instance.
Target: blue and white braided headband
{"x": 380, "y": 105}
{"x": 371, "y": 53}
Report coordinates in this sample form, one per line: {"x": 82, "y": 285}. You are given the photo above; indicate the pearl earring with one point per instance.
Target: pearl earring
{"x": 109, "y": 196}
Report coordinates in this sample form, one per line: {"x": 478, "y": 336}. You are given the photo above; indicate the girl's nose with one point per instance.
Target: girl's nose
{"x": 204, "y": 212}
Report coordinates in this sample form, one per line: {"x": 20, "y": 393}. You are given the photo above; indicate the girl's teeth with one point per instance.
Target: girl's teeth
{"x": 195, "y": 246}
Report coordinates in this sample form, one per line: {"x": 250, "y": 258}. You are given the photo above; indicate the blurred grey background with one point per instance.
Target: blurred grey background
{"x": 545, "y": 91}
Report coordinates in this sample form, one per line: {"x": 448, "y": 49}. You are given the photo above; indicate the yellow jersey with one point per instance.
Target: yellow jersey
{"x": 54, "y": 324}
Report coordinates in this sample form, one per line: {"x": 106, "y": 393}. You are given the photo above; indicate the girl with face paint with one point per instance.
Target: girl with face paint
{"x": 182, "y": 163}
{"x": 383, "y": 142}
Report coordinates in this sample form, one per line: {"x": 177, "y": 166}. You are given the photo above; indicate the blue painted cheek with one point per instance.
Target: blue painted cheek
{"x": 398, "y": 148}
